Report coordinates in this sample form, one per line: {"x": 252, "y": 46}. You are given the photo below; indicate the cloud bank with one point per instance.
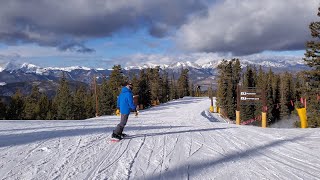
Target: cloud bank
{"x": 224, "y": 26}
{"x": 250, "y": 26}
{"x": 68, "y": 24}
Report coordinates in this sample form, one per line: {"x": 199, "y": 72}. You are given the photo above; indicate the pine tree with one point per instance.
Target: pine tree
{"x": 261, "y": 82}
{"x": 236, "y": 74}
{"x": 165, "y": 87}
{"x": 223, "y": 86}
{"x": 183, "y": 83}
{"x": 144, "y": 89}
{"x": 64, "y": 100}
{"x": 192, "y": 90}
{"x": 299, "y": 87}
{"x": 173, "y": 88}
{"x": 44, "y": 107}
{"x": 248, "y": 110}
{"x": 117, "y": 80}
{"x": 287, "y": 94}
{"x": 135, "y": 82}
{"x": 155, "y": 83}
{"x": 3, "y": 109}
{"x": 228, "y": 79}
{"x": 31, "y": 107}
{"x": 106, "y": 103}
{"x": 230, "y": 94}
{"x": 276, "y": 98}
{"x": 312, "y": 58}
{"x": 269, "y": 96}
{"x": 79, "y": 103}
{"x": 15, "y": 109}
{"x": 89, "y": 104}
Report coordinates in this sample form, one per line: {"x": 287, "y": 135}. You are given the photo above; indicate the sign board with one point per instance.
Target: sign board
{"x": 250, "y": 96}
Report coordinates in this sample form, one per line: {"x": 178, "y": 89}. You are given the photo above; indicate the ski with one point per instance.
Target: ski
{"x": 123, "y": 136}
{"x": 114, "y": 140}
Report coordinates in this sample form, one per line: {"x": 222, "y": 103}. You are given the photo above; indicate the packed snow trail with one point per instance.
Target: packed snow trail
{"x": 176, "y": 140}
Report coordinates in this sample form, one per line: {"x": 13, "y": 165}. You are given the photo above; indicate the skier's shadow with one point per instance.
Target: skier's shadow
{"x": 31, "y": 137}
{"x": 175, "y": 132}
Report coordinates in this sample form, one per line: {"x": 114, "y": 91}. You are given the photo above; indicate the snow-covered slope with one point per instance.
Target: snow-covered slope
{"x": 177, "y": 140}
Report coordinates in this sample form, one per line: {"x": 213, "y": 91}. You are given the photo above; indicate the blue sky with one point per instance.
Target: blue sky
{"x": 102, "y": 33}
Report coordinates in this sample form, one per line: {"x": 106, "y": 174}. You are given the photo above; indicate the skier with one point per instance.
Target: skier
{"x": 125, "y": 104}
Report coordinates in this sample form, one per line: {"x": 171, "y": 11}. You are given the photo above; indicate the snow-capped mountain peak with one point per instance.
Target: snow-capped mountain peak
{"x": 31, "y": 68}
{"x": 69, "y": 69}
{"x": 11, "y": 66}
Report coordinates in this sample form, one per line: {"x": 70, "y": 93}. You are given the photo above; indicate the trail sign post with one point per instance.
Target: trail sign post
{"x": 250, "y": 96}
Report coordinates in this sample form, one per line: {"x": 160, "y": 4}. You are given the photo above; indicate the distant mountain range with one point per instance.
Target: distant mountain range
{"x": 23, "y": 76}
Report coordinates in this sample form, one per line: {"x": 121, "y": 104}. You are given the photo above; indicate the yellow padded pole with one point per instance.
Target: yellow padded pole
{"x": 302, "y": 112}
{"x": 211, "y": 109}
{"x": 264, "y": 120}
{"x": 238, "y": 117}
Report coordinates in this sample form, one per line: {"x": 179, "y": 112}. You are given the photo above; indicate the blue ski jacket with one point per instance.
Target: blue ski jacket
{"x": 125, "y": 101}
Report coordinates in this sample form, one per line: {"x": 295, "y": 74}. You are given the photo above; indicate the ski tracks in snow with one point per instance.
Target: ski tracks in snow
{"x": 110, "y": 157}
{"x": 192, "y": 148}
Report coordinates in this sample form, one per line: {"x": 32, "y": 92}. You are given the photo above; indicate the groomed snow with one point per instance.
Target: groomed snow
{"x": 177, "y": 140}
